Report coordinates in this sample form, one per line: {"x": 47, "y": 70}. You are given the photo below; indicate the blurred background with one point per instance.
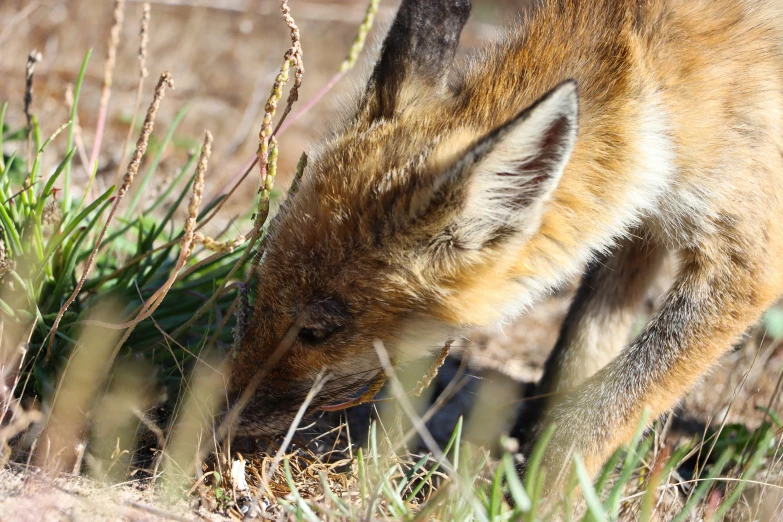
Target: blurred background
{"x": 222, "y": 54}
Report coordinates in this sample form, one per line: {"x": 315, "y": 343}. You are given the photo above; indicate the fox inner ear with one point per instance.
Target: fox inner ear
{"x": 417, "y": 53}
{"x": 506, "y": 178}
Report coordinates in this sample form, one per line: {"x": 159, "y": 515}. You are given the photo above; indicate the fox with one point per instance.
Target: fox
{"x": 591, "y": 139}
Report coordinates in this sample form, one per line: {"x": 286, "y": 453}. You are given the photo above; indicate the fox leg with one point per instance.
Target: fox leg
{"x": 609, "y": 300}
{"x": 720, "y": 291}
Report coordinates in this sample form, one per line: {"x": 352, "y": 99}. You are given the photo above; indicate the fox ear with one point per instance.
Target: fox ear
{"x": 504, "y": 180}
{"x": 417, "y": 54}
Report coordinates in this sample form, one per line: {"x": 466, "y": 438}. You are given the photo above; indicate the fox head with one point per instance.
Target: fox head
{"x": 406, "y": 226}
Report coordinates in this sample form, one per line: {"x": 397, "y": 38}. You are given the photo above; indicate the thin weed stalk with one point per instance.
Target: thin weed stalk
{"x": 423, "y": 432}
{"x": 133, "y": 168}
{"x": 347, "y": 64}
{"x": 143, "y": 73}
{"x": 264, "y": 159}
{"x": 108, "y": 74}
{"x": 33, "y": 58}
{"x": 186, "y": 243}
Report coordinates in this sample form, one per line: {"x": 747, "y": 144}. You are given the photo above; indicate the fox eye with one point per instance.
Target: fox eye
{"x": 317, "y": 335}
{"x": 324, "y": 317}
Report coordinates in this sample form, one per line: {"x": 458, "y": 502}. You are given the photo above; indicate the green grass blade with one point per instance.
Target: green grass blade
{"x": 534, "y": 475}
{"x": 515, "y": 487}
{"x": 56, "y": 240}
{"x": 170, "y": 186}
{"x": 409, "y": 475}
{"x": 632, "y": 457}
{"x": 453, "y": 441}
{"x": 40, "y": 150}
{"x": 70, "y": 263}
{"x": 362, "y": 478}
{"x": 594, "y": 506}
{"x": 606, "y": 471}
{"x": 496, "y": 494}
{"x": 71, "y": 133}
{"x": 50, "y": 183}
{"x": 300, "y": 503}
{"x": 704, "y": 484}
{"x": 145, "y": 180}
{"x": 87, "y": 189}
{"x": 10, "y": 231}
{"x": 457, "y": 435}
{"x": 169, "y": 215}
{"x": 750, "y": 471}
{"x": 6, "y": 167}
{"x": 341, "y": 505}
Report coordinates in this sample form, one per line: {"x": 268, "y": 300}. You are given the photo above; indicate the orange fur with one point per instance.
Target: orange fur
{"x": 396, "y": 234}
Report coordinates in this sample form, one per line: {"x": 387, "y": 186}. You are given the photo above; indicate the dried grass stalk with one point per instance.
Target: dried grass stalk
{"x": 295, "y": 54}
{"x": 77, "y": 129}
{"x": 6, "y": 264}
{"x": 434, "y": 368}
{"x": 301, "y": 165}
{"x": 146, "y": 130}
{"x": 271, "y": 107}
{"x": 108, "y": 74}
{"x": 192, "y": 431}
{"x": 269, "y": 472}
{"x": 347, "y": 64}
{"x": 361, "y": 37}
{"x": 221, "y": 247}
{"x": 293, "y": 58}
{"x": 143, "y": 73}
{"x": 377, "y": 384}
{"x": 186, "y": 246}
{"x": 265, "y": 157}
{"x": 33, "y": 58}
{"x": 77, "y": 388}
{"x": 133, "y": 169}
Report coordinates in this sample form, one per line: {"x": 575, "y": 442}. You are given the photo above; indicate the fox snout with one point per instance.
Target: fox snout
{"x": 315, "y": 362}
{"x": 270, "y": 408}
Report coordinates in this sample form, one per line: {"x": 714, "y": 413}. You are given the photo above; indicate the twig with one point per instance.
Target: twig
{"x": 133, "y": 168}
